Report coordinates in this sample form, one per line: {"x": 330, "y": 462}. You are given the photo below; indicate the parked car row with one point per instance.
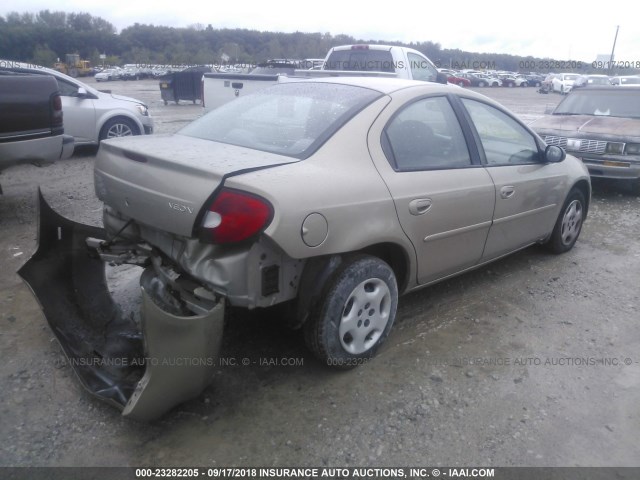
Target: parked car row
{"x": 134, "y": 72}
{"x": 492, "y": 79}
{"x": 563, "y": 83}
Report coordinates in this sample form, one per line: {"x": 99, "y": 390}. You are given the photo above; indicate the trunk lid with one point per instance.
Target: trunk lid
{"x": 164, "y": 181}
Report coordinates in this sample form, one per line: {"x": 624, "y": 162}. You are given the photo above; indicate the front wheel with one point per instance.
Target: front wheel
{"x": 354, "y": 314}
{"x": 118, "y": 127}
{"x": 569, "y": 223}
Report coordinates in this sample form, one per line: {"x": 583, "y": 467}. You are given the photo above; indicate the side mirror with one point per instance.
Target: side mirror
{"x": 82, "y": 92}
{"x": 554, "y": 154}
{"x": 442, "y": 78}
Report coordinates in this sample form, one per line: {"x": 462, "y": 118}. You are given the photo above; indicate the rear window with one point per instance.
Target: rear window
{"x": 614, "y": 103}
{"x": 274, "y": 69}
{"x": 361, "y": 60}
{"x": 292, "y": 119}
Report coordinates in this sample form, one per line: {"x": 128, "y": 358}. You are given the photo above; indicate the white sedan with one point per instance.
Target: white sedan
{"x": 107, "y": 75}
{"x": 563, "y": 82}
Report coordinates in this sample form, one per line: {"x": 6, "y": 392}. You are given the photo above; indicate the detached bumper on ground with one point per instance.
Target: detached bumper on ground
{"x": 145, "y": 369}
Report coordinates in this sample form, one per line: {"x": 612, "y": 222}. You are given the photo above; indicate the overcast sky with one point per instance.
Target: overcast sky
{"x": 571, "y": 30}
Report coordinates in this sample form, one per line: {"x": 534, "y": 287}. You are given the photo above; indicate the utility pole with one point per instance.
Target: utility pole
{"x": 613, "y": 50}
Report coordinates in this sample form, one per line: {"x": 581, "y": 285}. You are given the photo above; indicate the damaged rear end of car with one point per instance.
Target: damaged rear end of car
{"x": 148, "y": 365}
{"x": 182, "y": 209}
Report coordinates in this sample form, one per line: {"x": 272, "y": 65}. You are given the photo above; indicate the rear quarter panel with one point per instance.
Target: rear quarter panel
{"x": 341, "y": 183}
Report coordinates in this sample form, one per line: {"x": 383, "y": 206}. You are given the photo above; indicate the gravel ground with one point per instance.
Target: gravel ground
{"x": 531, "y": 361}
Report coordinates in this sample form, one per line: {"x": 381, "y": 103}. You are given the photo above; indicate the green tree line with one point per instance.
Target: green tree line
{"x": 43, "y": 37}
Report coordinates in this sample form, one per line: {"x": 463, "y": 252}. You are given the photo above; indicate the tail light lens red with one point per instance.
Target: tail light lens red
{"x": 235, "y": 216}
{"x": 56, "y": 110}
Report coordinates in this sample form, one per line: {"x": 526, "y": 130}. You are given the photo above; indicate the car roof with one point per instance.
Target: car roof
{"x": 386, "y": 85}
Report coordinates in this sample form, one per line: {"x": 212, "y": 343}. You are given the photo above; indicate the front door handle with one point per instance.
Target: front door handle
{"x": 419, "y": 206}
{"x": 507, "y": 192}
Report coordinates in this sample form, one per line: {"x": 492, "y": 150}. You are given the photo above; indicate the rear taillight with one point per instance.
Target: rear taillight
{"x": 56, "y": 110}
{"x": 202, "y": 91}
{"x": 235, "y": 216}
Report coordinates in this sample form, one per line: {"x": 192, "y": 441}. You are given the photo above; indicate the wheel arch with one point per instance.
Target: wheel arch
{"x": 585, "y": 188}
{"x": 116, "y": 115}
{"x": 318, "y": 270}
{"x": 396, "y": 257}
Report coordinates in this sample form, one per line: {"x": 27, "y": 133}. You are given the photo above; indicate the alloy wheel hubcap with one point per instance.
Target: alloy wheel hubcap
{"x": 119, "y": 130}
{"x": 571, "y": 222}
{"x": 365, "y": 316}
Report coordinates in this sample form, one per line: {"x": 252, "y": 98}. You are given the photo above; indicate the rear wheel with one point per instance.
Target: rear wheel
{"x": 482, "y": 84}
{"x": 355, "y": 313}
{"x": 569, "y": 223}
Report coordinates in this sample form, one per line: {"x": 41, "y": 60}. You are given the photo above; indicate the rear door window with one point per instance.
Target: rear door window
{"x": 426, "y": 135}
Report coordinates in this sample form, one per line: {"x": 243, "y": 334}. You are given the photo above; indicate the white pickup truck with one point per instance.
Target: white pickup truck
{"x": 347, "y": 60}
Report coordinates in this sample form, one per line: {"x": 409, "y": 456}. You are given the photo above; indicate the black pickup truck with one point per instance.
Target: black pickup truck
{"x": 31, "y": 123}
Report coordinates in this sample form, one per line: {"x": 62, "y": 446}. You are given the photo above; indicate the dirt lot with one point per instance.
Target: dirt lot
{"x": 532, "y": 361}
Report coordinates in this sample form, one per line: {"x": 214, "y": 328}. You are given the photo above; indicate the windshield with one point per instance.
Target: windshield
{"x": 614, "y": 103}
{"x": 292, "y": 119}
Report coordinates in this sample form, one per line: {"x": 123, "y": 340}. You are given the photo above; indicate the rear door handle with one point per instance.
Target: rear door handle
{"x": 507, "y": 192}
{"x": 419, "y": 206}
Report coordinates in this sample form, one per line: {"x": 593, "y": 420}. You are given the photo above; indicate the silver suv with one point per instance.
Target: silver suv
{"x": 90, "y": 115}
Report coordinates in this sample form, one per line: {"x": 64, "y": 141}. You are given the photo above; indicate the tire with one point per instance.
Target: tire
{"x": 355, "y": 312}
{"x": 569, "y": 223}
{"x": 482, "y": 84}
{"x": 118, "y": 127}
{"x": 461, "y": 84}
